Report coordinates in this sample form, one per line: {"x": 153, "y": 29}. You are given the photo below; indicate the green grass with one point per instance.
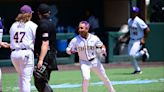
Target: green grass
{"x": 9, "y": 81}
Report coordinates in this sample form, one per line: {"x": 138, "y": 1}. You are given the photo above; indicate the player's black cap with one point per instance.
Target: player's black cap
{"x": 43, "y": 8}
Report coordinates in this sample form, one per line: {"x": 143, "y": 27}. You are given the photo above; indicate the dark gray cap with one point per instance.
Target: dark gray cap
{"x": 43, "y": 8}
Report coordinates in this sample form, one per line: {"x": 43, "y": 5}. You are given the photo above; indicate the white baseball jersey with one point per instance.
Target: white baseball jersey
{"x": 136, "y": 28}
{"x": 22, "y": 35}
{"x": 86, "y": 48}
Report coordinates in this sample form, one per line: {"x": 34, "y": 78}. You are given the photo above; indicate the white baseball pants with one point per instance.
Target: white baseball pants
{"x": 23, "y": 61}
{"x": 97, "y": 68}
{"x": 133, "y": 49}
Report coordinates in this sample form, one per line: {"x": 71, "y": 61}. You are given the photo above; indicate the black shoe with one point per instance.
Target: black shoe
{"x": 144, "y": 57}
{"x": 137, "y": 72}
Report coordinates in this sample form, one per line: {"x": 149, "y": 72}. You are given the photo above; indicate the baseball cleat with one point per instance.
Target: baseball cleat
{"x": 137, "y": 72}
{"x": 145, "y": 55}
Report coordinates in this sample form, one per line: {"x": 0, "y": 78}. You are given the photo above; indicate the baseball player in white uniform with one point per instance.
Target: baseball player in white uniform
{"x": 2, "y": 44}
{"x": 85, "y": 45}
{"x": 138, "y": 31}
{"x": 22, "y": 37}
{"x": 5, "y": 45}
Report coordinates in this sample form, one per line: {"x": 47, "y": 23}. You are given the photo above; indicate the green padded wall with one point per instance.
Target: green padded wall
{"x": 155, "y": 41}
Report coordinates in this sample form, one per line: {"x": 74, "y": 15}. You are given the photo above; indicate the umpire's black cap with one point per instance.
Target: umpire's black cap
{"x": 43, "y": 8}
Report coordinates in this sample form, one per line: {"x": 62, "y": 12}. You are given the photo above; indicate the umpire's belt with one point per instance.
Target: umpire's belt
{"x": 20, "y": 49}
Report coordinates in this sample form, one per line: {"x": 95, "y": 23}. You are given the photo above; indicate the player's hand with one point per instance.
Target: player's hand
{"x": 104, "y": 51}
{"x": 142, "y": 41}
{"x": 40, "y": 63}
{"x": 5, "y": 44}
{"x": 71, "y": 52}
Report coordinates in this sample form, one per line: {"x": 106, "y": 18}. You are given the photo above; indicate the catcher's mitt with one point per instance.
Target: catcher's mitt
{"x": 40, "y": 73}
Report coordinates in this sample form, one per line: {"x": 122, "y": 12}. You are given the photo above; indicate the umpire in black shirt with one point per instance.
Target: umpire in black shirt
{"x": 44, "y": 49}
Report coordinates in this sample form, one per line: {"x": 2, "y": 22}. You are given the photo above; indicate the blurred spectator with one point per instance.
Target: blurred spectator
{"x": 92, "y": 19}
{"x": 120, "y": 48}
{"x": 54, "y": 12}
{"x": 157, "y": 14}
{"x": 70, "y": 29}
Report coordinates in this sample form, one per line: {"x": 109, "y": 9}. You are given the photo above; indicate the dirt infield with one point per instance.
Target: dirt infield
{"x": 76, "y": 66}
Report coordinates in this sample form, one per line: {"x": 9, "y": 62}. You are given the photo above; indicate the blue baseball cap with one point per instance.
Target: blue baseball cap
{"x": 135, "y": 9}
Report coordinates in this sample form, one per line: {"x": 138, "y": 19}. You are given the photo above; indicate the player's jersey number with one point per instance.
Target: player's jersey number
{"x": 18, "y": 37}
{"x": 135, "y": 33}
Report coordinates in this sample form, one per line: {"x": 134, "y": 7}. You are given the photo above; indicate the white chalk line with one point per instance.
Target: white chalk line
{"x": 69, "y": 85}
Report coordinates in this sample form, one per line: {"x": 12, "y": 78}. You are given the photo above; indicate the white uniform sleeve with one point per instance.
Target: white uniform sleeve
{"x": 11, "y": 33}
{"x": 33, "y": 29}
{"x": 98, "y": 42}
{"x": 129, "y": 20}
{"x": 142, "y": 24}
{"x": 71, "y": 46}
